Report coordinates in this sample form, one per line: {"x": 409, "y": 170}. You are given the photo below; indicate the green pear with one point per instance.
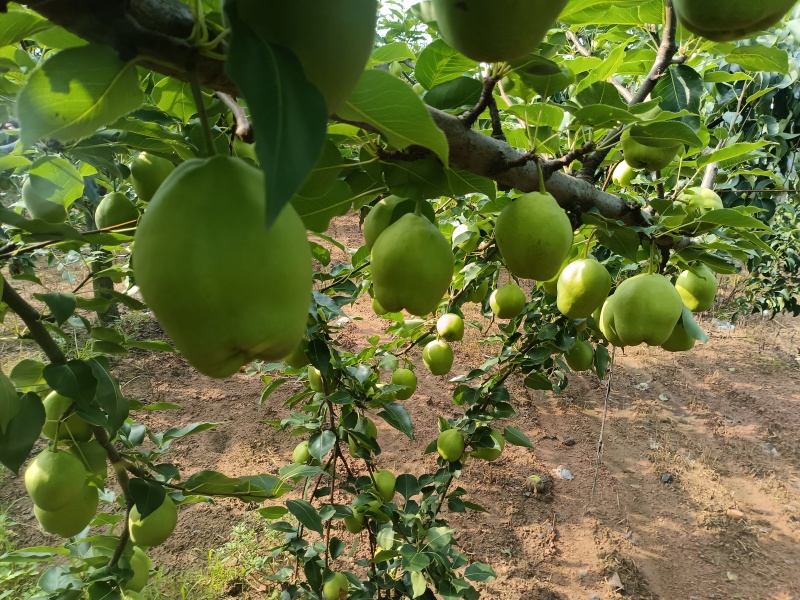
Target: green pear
{"x": 623, "y": 174}
{"x": 371, "y": 431}
{"x": 385, "y": 483}
{"x": 606, "y": 323}
{"x": 244, "y": 297}
{"x": 651, "y": 157}
{"x": 73, "y": 428}
{"x": 407, "y": 378}
{"x": 377, "y": 308}
{"x": 496, "y": 31}
{"x": 331, "y": 38}
{"x": 726, "y": 20}
{"x": 40, "y": 207}
{"x": 55, "y": 479}
{"x": 297, "y": 358}
{"x": 450, "y": 327}
{"x": 534, "y": 236}
{"x": 155, "y": 528}
{"x": 301, "y": 454}
{"x": 697, "y": 287}
{"x": 73, "y": 517}
{"x": 580, "y": 356}
{"x": 493, "y": 452}
{"x": 355, "y": 522}
{"x": 582, "y": 287}
{"x": 379, "y": 218}
{"x": 697, "y": 201}
{"x": 507, "y": 301}
{"x": 645, "y": 310}
{"x": 335, "y": 588}
{"x": 438, "y": 357}
{"x": 479, "y": 293}
{"x": 679, "y": 340}
{"x": 148, "y": 172}
{"x": 140, "y": 565}
{"x": 450, "y": 445}
{"x": 114, "y": 209}
{"x": 315, "y": 379}
{"x": 412, "y": 266}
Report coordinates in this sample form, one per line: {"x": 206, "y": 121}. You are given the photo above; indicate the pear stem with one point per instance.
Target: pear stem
{"x": 542, "y": 189}
{"x": 418, "y": 208}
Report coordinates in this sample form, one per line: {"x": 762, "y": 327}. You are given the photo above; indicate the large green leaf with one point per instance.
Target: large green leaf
{"x": 306, "y": 514}
{"x": 393, "y": 108}
{"x": 289, "y": 113}
{"x": 22, "y": 432}
{"x": 147, "y": 495}
{"x": 10, "y": 402}
{"x": 75, "y": 92}
{"x": 759, "y": 58}
{"x": 175, "y": 98}
{"x": 438, "y": 63}
{"x": 397, "y": 416}
{"x": 56, "y": 179}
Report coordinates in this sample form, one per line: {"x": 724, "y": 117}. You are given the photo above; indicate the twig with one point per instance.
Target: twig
{"x": 603, "y": 422}
{"x": 120, "y": 468}
{"x": 469, "y": 117}
{"x": 497, "y": 125}
{"x": 244, "y": 129}
{"x": 33, "y": 320}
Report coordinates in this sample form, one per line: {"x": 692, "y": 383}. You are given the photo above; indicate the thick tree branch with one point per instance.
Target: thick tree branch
{"x": 159, "y": 29}
{"x": 33, "y": 320}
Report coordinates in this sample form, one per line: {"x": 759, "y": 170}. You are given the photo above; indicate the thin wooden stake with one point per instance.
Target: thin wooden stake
{"x": 603, "y": 423}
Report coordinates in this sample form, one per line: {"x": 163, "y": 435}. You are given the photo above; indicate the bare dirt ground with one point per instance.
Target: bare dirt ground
{"x": 723, "y": 420}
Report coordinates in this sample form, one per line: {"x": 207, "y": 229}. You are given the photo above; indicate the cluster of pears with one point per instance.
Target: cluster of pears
{"x": 63, "y": 479}
{"x": 648, "y": 309}
{"x": 438, "y": 354}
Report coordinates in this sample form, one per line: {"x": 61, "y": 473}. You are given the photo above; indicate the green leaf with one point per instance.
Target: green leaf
{"x": 439, "y": 538}
{"x": 108, "y": 396}
{"x": 407, "y": 485}
{"x": 739, "y": 152}
{"x": 56, "y": 179}
{"x": 516, "y": 437}
{"x": 147, "y": 495}
{"x": 397, "y": 416}
{"x": 177, "y": 433}
{"x": 418, "y": 179}
{"x": 760, "y": 58}
{"x": 681, "y": 88}
{"x": 22, "y": 432}
{"x": 19, "y": 24}
{"x": 27, "y": 373}
{"x": 289, "y": 113}
{"x": 10, "y": 403}
{"x": 317, "y": 212}
{"x": 74, "y": 380}
{"x": 439, "y": 63}
{"x": 418, "y": 584}
{"x": 75, "y": 92}
{"x": 538, "y": 381}
{"x": 479, "y": 572}
{"x": 601, "y": 12}
{"x": 393, "y": 108}
{"x": 458, "y": 92}
{"x": 464, "y": 182}
{"x": 33, "y": 554}
{"x": 61, "y": 305}
{"x": 414, "y": 560}
{"x": 691, "y": 327}
{"x": 153, "y": 345}
{"x": 731, "y": 218}
{"x": 306, "y": 514}
{"x": 393, "y": 51}
{"x": 601, "y": 115}
{"x": 321, "y": 443}
{"x": 273, "y": 512}
{"x": 175, "y": 98}
{"x": 666, "y": 133}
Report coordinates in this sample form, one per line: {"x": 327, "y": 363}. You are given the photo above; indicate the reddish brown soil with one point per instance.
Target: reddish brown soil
{"x": 723, "y": 420}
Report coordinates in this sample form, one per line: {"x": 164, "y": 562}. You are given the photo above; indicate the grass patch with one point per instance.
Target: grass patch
{"x": 238, "y": 568}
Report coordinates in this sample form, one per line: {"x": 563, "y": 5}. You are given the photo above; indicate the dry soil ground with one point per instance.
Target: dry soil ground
{"x": 723, "y": 420}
